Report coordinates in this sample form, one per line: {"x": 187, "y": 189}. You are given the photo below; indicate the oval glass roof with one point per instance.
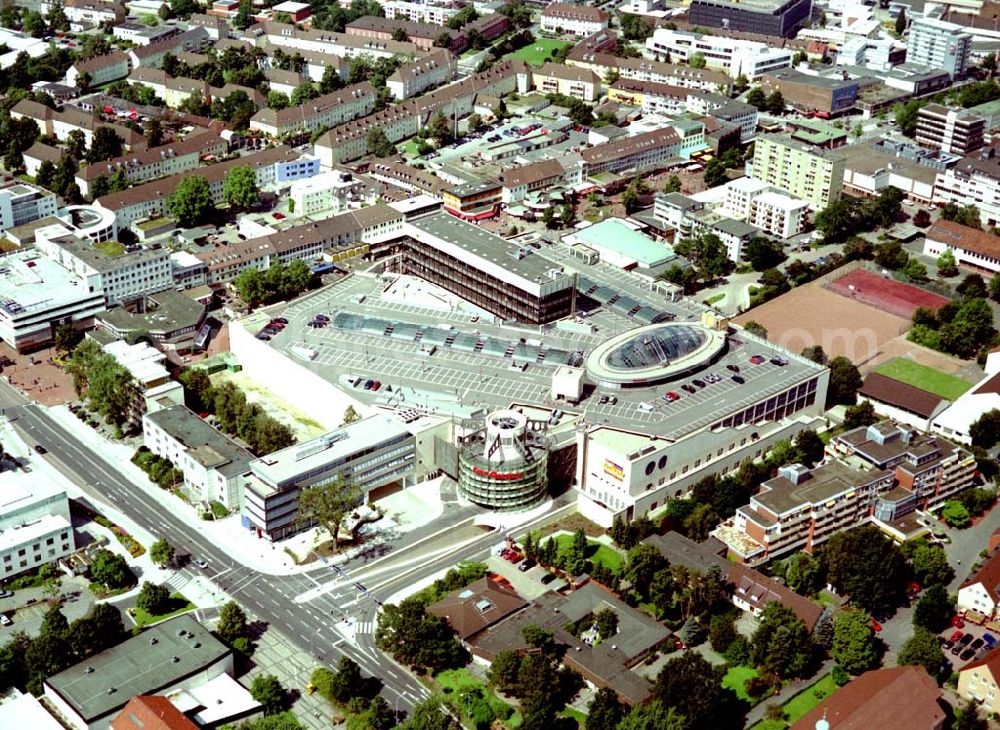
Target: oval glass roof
{"x": 659, "y": 347}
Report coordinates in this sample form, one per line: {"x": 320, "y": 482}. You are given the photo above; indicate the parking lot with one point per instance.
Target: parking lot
{"x": 966, "y": 644}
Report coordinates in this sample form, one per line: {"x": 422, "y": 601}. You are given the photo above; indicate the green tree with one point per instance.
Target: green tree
{"x": 755, "y": 328}
{"x": 763, "y": 253}
{"x": 267, "y": 690}
{"x": 815, "y": 353}
{"x": 161, "y": 552}
{"x": 865, "y": 565}
{"x": 326, "y": 505}
{"x": 250, "y": 286}
{"x": 985, "y": 430}
{"x": 431, "y": 714}
{"x": 111, "y": 570}
{"x": 416, "y": 638}
{"x": 804, "y": 574}
{"x": 696, "y": 60}
{"x": 776, "y": 102}
{"x": 605, "y": 710}
{"x": 781, "y": 645}
{"x": 934, "y": 609}
{"x": 240, "y": 189}
{"x": 715, "y": 173}
{"x": 46, "y": 175}
{"x": 303, "y": 93}
{"x": 901, "y": 22}
{"x": 66, "y": 337}
{"x": 54, "y": 622}
{"x": 277, "y": 101}
{"x": 606, "y": 621}
{"x": 854, "y": 644}
{"x": 862, "y": 414}
{"x": 968, "y": 718}
{"x": 692, "y": 688}
{"x": 757, "y": 98}
{"x": 906, "y": 116}
{"x": 915, "y": 271}
{"x": 946, "y": 264}
{"x": 153, "y": 599}
{"x": 232, "y": 623}
{"x": 379, "y": 145}
{"x": 105, "y": 145}
{"x": 191, "y": 202}
{"x": 809, "y": 447}
{"x": 929, "y": 563}
{"x": 972, "y": 287}
{"x": 673, "y": 185}
{"x": 641, "y": 566}
{"x": 845, "y": 379}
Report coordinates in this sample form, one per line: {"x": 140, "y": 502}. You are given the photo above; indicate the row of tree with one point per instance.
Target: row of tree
{"x": 106, "y": 385}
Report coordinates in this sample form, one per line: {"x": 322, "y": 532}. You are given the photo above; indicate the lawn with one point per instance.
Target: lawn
{"x": 923, "y": 377}
{"x": 801, "y": 703}
{"x": 580, "y": 717}
{"x": 596, "y": 553}
{"x": 538, "y": 52}
{"x": 736, "y": 679}
{"x": 178, "y": 604}
{"x": 454, "y": 681}
{"x": 110, "y": 248}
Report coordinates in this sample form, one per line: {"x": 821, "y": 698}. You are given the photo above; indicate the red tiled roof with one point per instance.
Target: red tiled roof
{"x": 968, "y": 239}
{"x": 151, "y": 712}
{"x": 901, "y": 395}
{"x": 989, "y": 576}
{"x": 896, "y": 698}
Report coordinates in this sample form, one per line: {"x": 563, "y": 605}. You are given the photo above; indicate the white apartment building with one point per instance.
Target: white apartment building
{"x": 782, "y": 215}
{"x": 212, "y": 463}
{"x": 154, "y": 388}
{"x": 99, "y": 69}
{"x": 436, "y": 13}
{"x": 329, "y": 110}
{"x": 414, "y": 78}
{"x": 970, "y": 246}
{"x": 579, "y": 20}
{"x": 735, "y": 57}
{"x": 35, "y": 526}
{"x": 22, "y": 203}
{"x": 327, "y": 192}
{"x": 337, "y": 44}
{"x": 975, "y": 180}
{"x": 937, "y": 44}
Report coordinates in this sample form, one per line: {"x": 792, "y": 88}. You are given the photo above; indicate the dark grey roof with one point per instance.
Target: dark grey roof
{"x": 207, "y": 446}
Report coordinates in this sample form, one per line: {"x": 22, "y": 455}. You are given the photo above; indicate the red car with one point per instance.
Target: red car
{"x": 957, "y": 622}
{"x": 876, "y": 626}
{"x": 671, "y": 397}
{"x": 956, "y": 636}
{"x": 376, "y": 385}
{"x": 279, "y": 216}
{"x": 757, "y": 359}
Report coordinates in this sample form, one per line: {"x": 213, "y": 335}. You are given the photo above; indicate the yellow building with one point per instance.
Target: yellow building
{"x": 978, "y": 682}
{"x": 809, "y": 173}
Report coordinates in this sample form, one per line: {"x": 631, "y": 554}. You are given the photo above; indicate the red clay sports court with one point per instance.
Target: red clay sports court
{"x": 886, "y": 294}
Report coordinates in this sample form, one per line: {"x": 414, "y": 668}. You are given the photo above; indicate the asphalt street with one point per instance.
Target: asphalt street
{"x": 328, "y": 611}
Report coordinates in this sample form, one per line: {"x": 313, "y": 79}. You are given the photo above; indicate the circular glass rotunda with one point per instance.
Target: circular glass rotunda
{"x": 503, "y": 462}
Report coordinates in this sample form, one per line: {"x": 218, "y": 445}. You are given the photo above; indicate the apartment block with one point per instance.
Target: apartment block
{"x": 579, "y": 20}
{"x": 35, "y": 527}
{"x": 98, "y": 70}
{"x": 424, "y": 36}
{"x": 805, "y": 172}
{"x": 60, "y": 123}
{"x": 650, "y": 96}
{"x": 340, "y": 45}
{"x": 644, "y": 151}
{"x": 329, "y": 191}
{"x": 735, "y": 57}
{"x": 22, "y": 203}
{"x": 371, "y": 453}
{"x": 801, "y": 508}
{"x": 329, "y": 110}
{"x": 212, "y": 463}
{"x": 929, "y": 468}
{"x": 415, "y": 12}
{"x": 753, "y": 201}
{"x": 557, "y": 78}
{"x": 411, "y": 79}
{"x": 155, "y": 162}
{"x": 518, "y": 182}
{"x": 974, "y": 180}
{"x": 83, "y": 14}
{"x": 938, "y": 44}
{"x": 956, "y": 131}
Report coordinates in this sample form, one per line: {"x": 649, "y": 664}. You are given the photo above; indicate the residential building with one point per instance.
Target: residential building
{"x": 890, "y": 698}
{"x": 412, "y": 79}
{"x": 298, "y": 12}
{"x": 644, "y": 69}
{"x": 340, "y": 45}
{"x": 61, "y": 123}
{"x": 475, "y": 608}
{"x": 780, "y": 18}
{"x": 779, "y": 214}
{"x": 400, "y": 175}
{"x": 37, "y": 295}
{"x": 650, "y": 96}
{"x": 957, "y": 131}
{"x": 473, "y": 200}
{"x": 155, "y": 162}
{"x": 370, "y": 454}
{"x": 38, "y": 153}
{"x": 149, "y": 200}
{"x": 284, "y": 82}
{"x": 151, "y": 712}
{"x": 955, "y": 421}
{"x": 977, "y": 680}
{"x": 903, "y": 403}
{"x": 331, "y": 191}
{"x": 970, "y": 246}
{"x": 974, "y": 180}
{"x": 820, "y": 95}
{"x": 168, "y": 658}
{"x": 35, "y": 525}
{"x": 979, "y": 592}
{"x": 24, "y": 710}
{"x": 645, "y": 151}
{"x": 816, "y": 133}
{"x": 329, "y": 110}
{"x": 85, "y": 14}
{"x": 153, "y": 387}
{"x": 930, "y": 468}
{"x": 801, "y": 508}
{"x": 22, "y": 203}
{"x": 736, "y": 57}
{"x": 98, "y": 70}
{"x": 937, "y": 44}
{"x": 735, "y": 112}
{"x": 871, "y": 167}
{"x": 122, "y": 277}
{"x": 602, "y": 664}
{"x": 518, "y": 182}
{"x": 424, "y": 36}
{"x": 503, "y": 278}
{"x": 216, "y": 27}
{"x": 212, "y": 463}
{"x": 579, "y": 20}
{"x": 557, "y": 78}
{"x": 151, "y": 56}
{"x": 417, "y": 12}
{"x": 141, "y": 34}
{"x": 813, "y": 175}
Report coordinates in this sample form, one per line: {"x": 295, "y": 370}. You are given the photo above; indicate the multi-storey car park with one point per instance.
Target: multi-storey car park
{"x": 643, "y": 393}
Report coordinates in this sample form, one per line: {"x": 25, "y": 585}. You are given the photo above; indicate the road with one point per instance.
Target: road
{"x": 322, "y": 611}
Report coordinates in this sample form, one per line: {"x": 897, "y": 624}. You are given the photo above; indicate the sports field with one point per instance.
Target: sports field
{"x": 538, "y": 52}
{"x": 923, "y": 377}
{"x": 886, "y": 294}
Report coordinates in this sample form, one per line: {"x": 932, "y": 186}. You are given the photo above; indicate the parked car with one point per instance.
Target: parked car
{"x": 966, "y": 639}
{"x": 39, "y": 449}
{"x": 376, "y": 385}
{"x": 6, "y": 594}
{"x": 977, "y": 644}
{"x": 876, "y": 626}
{"x": 5, "y": 620}
{"x": 967, "y": 655}
{"x": 947, "y": 644}
{"x": 779, "y": 361}
{"x": 990, "y": 640}
{"x": 548, "y": 578}
{"x": 739, "y": 379}
{"x": 602, "y": 400}
{"x": 671, "y": 397}
{"x": 699, "y": 383}
{"x": 526, "y": 565}
{"x": 756, "y": 359}
{"x": 734, "y": 368}
{"x": 956, "y": 650}
{"x": 957, "y": 622}
{"x": 689, "y": 388}
{"x": 280, "y": 320}
{"x": 369, "y": 384}
{"x": 956, "y": 636}
{"x": 201, "y": 563}
{"x": 321, "y": 318}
